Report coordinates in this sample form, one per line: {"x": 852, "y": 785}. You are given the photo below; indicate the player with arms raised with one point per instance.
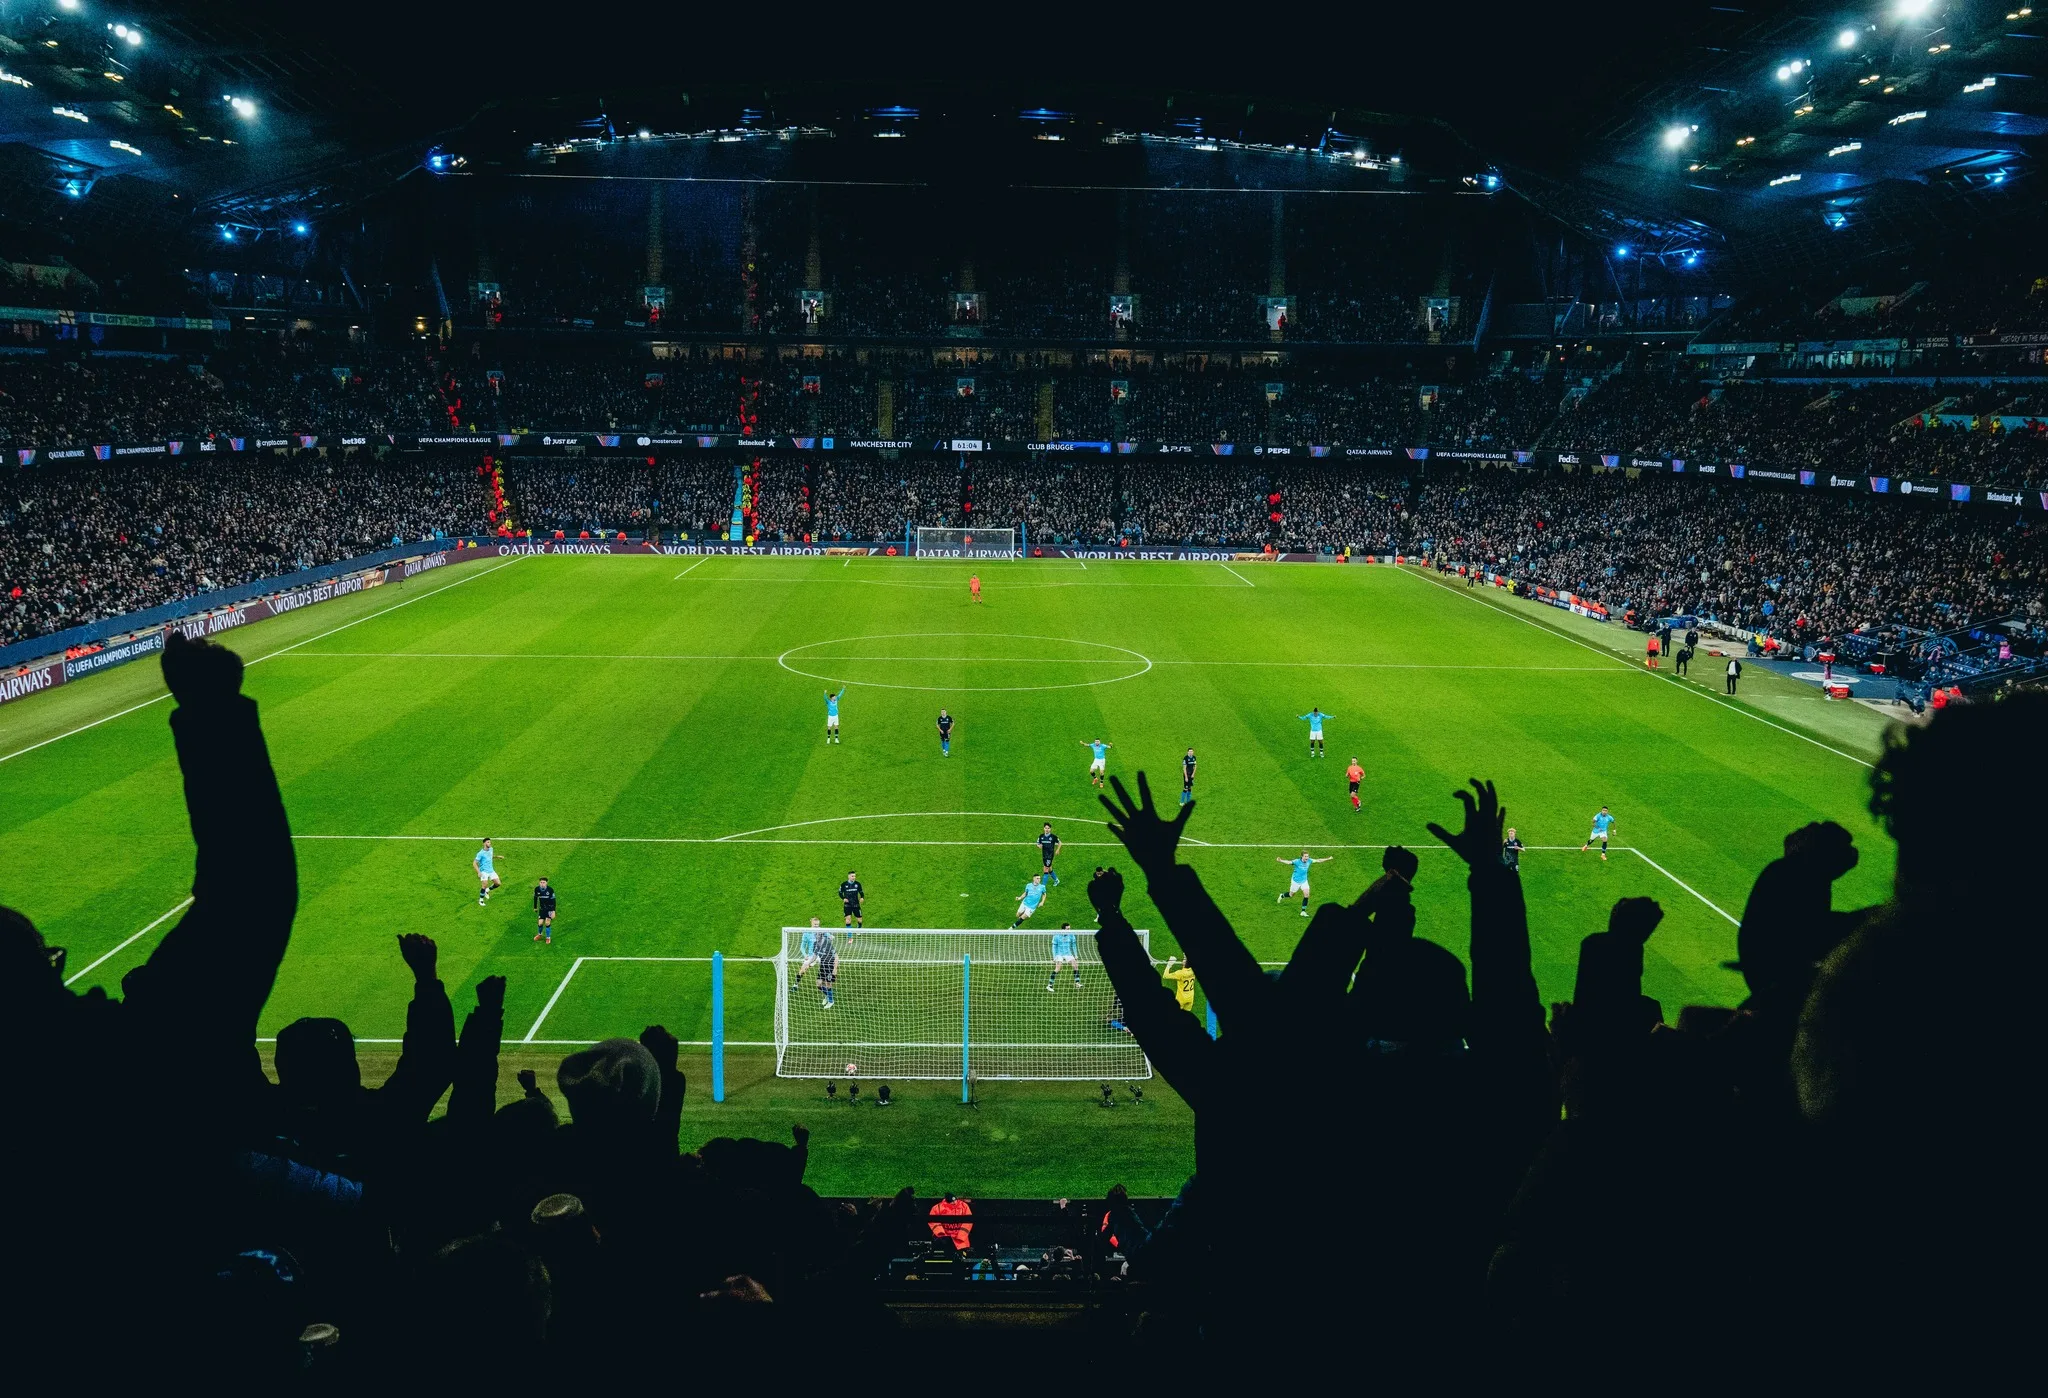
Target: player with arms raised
{"x": 832, "y": 714}
{"x": 1297, "y": 876}
{"x": 1066, "y": 950}
{"x": 1098, "y": 760}
{"x": 485, "y": 862}
{"x": 1183, "y": 981}
{"x": 1314, "y": 718}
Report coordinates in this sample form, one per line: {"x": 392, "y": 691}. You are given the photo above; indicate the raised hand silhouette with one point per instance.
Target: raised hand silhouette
{"x": 1151, "y": 839}
{"x": 1485, "y": 823}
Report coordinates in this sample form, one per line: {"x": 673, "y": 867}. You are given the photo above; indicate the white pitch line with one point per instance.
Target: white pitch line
{"x": 1239, "y": 576}
{"x": 69, "y": 733}
{"x": 18, "y": 752}
{"x": 936, "y": 659}
{"x": 580, "y": 1043}
{"x": 691, "y": 569}
{"x": 183, "y": 904}
{"x": 549, "y": 1007}
{"x": 905, "y": 815}
{"x": 1683, "y": 884}
{"x": 1630, "y": 666}
{"x": 941, "y": 844}
{"x": 382, "y": 611}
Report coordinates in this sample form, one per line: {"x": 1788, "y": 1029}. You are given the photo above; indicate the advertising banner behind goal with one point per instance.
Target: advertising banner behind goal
{"x": 966, "y": 543}
{"x": 944, "y": 1004}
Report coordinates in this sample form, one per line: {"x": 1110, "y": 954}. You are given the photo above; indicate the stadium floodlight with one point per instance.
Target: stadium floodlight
{"x": 242, "y": 106}
{"x": 70, "y": 112}
{"x": 1847, "y": 39}
{"x": 950, "y": 1004}
{"x": 301, "y": 229}
{"x": 1912, "y": 9}
{"x": 1676, "y": 136}
{"x": 1621, "y": 250}
{"x": 69, "y": 6}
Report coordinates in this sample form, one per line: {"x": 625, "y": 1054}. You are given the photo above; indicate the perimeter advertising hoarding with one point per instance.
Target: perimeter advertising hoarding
{"x": 647, "y": 442}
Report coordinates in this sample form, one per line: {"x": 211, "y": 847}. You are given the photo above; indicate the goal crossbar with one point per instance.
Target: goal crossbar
{"x": 949, "y": 1003}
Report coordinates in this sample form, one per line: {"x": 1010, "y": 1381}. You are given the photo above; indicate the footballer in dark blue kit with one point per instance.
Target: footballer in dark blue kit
{"x": 945, "y": 734}
{"x": 852, "y": 899}
{"x": 544, "y": 912}
{"x": 1048, "y": 847}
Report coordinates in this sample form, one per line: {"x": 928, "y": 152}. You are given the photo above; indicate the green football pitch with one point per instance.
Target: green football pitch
{"x": 647, "y": 733}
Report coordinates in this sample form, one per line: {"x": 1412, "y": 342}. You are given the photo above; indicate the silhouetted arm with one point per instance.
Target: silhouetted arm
{"x": 1172, "y": 1038}
{"x": 210, "y": 975}
{"x": 475, "y": 1095}
{"x": 426, "y": 1059}
{"x": 668, "y": 1114}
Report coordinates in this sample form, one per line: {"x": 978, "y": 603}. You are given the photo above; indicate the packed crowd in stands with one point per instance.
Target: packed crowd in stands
{"x": 1832, "y": 1168}
{"x": 83, "y": 541}
{"x": 1880, "y": 428}
{"x": 90, "y": 540}
{"x": 1793, "y": 564}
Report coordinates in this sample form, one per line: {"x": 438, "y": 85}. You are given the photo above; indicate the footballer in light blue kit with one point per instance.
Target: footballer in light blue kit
{"x": 832, "y": 714}
{"x": 807, "y": 951}
{"x": 485, "y": 862}
{"x": 1098, "y": 759}
{"x": 1066, "y": 950}
{"x": 1603, "y": 826}
{"x": 1297, "y": 876}
{"x": 1034, "y": 894}
{"x": 1314, "y": 718}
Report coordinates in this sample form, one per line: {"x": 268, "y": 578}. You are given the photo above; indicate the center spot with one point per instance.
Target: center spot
{"x": 963, "y": 662}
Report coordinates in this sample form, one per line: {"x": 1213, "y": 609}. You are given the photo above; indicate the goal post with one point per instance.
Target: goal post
{"x": 950, "y": 1004}
{"x": 964, "y": 543}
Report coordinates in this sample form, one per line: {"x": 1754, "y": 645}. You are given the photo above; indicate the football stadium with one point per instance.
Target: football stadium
{"x": 1283, "y": 716}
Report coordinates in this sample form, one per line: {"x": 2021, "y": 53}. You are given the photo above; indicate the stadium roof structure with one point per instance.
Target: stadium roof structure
{"x": 1787, "y": 134}
{"x": 1812, "y": 135}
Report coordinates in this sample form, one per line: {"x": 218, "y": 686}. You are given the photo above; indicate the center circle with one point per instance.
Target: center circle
{"x": 1133, "y": 662}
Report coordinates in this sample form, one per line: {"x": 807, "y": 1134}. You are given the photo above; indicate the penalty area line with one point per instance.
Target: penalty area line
{"x": 80, "y": 974}
{"x": 1239, "y": 576}
{"x": 1683, "y": 884}
{"x": 548, "y": 1008}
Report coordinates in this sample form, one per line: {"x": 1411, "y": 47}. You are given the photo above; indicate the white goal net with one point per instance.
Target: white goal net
{"x": 947, "y": 1004}
{"x": 966, "y": 543}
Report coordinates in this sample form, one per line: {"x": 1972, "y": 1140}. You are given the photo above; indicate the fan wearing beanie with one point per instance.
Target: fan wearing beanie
{"x": 611, "y": 1086}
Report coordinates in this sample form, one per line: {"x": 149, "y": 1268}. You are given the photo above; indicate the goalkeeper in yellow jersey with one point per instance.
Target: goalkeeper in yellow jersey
{"x": 1183, "y": 980}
